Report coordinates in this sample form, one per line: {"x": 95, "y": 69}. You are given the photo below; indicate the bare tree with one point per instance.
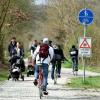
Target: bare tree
{"x": 61, "y": 19}
{"x": 4, "y": 5}
{"x": 3, "y": 11}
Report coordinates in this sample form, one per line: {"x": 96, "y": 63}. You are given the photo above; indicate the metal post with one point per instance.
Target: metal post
{"x": 83, "y": 59}
{"x": 84, "y": 23}
{"x": 83, "y": 62}
{"x": 85, "y": 31}
{"x": 84, "y": 3}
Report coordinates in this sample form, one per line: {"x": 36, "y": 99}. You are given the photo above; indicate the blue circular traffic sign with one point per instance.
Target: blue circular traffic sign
{"x": 85, "y": 16}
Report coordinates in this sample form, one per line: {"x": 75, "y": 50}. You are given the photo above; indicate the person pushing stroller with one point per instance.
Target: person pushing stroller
{"x": 16, "y": 58}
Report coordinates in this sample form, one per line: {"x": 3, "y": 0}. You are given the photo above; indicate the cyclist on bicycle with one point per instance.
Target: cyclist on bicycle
{"x": 44, "y": 60}
{"x": 56, "y": 62}
{"x": 74, "y": 57}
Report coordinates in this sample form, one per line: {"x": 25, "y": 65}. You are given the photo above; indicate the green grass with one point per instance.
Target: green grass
{"x": 3, "y": 74}
{"x": 90, "y": 82}
{"x": 93, "y": 69}
{"x": 67, "y": 64}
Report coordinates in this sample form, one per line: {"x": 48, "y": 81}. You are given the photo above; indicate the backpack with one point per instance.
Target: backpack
{"x": 58, "y": 57}
{"x": 44, "y": 51}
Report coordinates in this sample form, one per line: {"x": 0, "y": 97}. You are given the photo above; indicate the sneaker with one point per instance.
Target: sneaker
{"x": 35, "y": 82}
{"x": 52, "y": 77}
{"x": 59, "y": 76}
{"x": 45, "y": 92}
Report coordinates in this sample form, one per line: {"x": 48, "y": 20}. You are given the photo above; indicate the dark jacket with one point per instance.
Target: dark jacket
{"x": 11, "y": 48}
{"x": 58, "y": 54}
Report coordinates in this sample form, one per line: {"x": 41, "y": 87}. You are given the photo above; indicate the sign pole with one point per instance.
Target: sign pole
{"x": 83, "y": 59}
{"x": 85, "y": 31}
{"x": 85, "y": 18}
{"x": 84, "y": 3}
{"x": 83, "y": 62}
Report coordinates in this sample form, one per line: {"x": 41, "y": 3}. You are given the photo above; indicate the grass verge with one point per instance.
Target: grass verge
{"x": 3, "y": 74}
{"x": 90, "y": 82}
{"x": 68, "y": 64}
{"x": 93, "y": 69}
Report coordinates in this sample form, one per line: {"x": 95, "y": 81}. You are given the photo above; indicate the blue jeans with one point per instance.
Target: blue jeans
{"x": 45, "y": 74}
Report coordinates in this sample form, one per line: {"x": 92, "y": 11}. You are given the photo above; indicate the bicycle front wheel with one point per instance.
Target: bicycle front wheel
{"x": 55, "y": 77}
{"x": 40, "y": 92}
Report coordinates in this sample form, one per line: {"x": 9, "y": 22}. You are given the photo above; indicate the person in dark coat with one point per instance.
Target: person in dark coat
{"x": 12, "y": 46}
{"x": 11, "y": 50}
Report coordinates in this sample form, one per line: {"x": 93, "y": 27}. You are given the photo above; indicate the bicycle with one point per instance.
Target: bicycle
{"x": 40, "y": 81}
{"x": 74, "y": 66}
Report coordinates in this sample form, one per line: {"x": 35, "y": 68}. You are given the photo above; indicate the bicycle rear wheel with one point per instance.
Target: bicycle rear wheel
{"x": 55, "y": 76}
{"x": 40, "y": 82}
{"x": 40, "y": 92}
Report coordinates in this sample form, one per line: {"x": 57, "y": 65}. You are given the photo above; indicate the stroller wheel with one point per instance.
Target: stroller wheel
{"x": 9, "y": 77}
{"x": 17, "y": 78}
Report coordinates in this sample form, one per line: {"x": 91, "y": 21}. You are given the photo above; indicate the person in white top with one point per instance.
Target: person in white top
{"x": 20, "y": 55}
{"x": 19, "y": 50}
{"x": 39, "y": 57}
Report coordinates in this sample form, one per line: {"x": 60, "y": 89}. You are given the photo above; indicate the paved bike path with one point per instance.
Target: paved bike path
{"x": 25, "y": 90}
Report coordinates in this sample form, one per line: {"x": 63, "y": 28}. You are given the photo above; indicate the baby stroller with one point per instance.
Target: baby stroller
{"x": 15, "y": 71}
{"x": 30, "y": 68}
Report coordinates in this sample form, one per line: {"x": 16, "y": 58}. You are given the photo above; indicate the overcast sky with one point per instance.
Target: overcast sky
{"x": 40, "y": 2}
